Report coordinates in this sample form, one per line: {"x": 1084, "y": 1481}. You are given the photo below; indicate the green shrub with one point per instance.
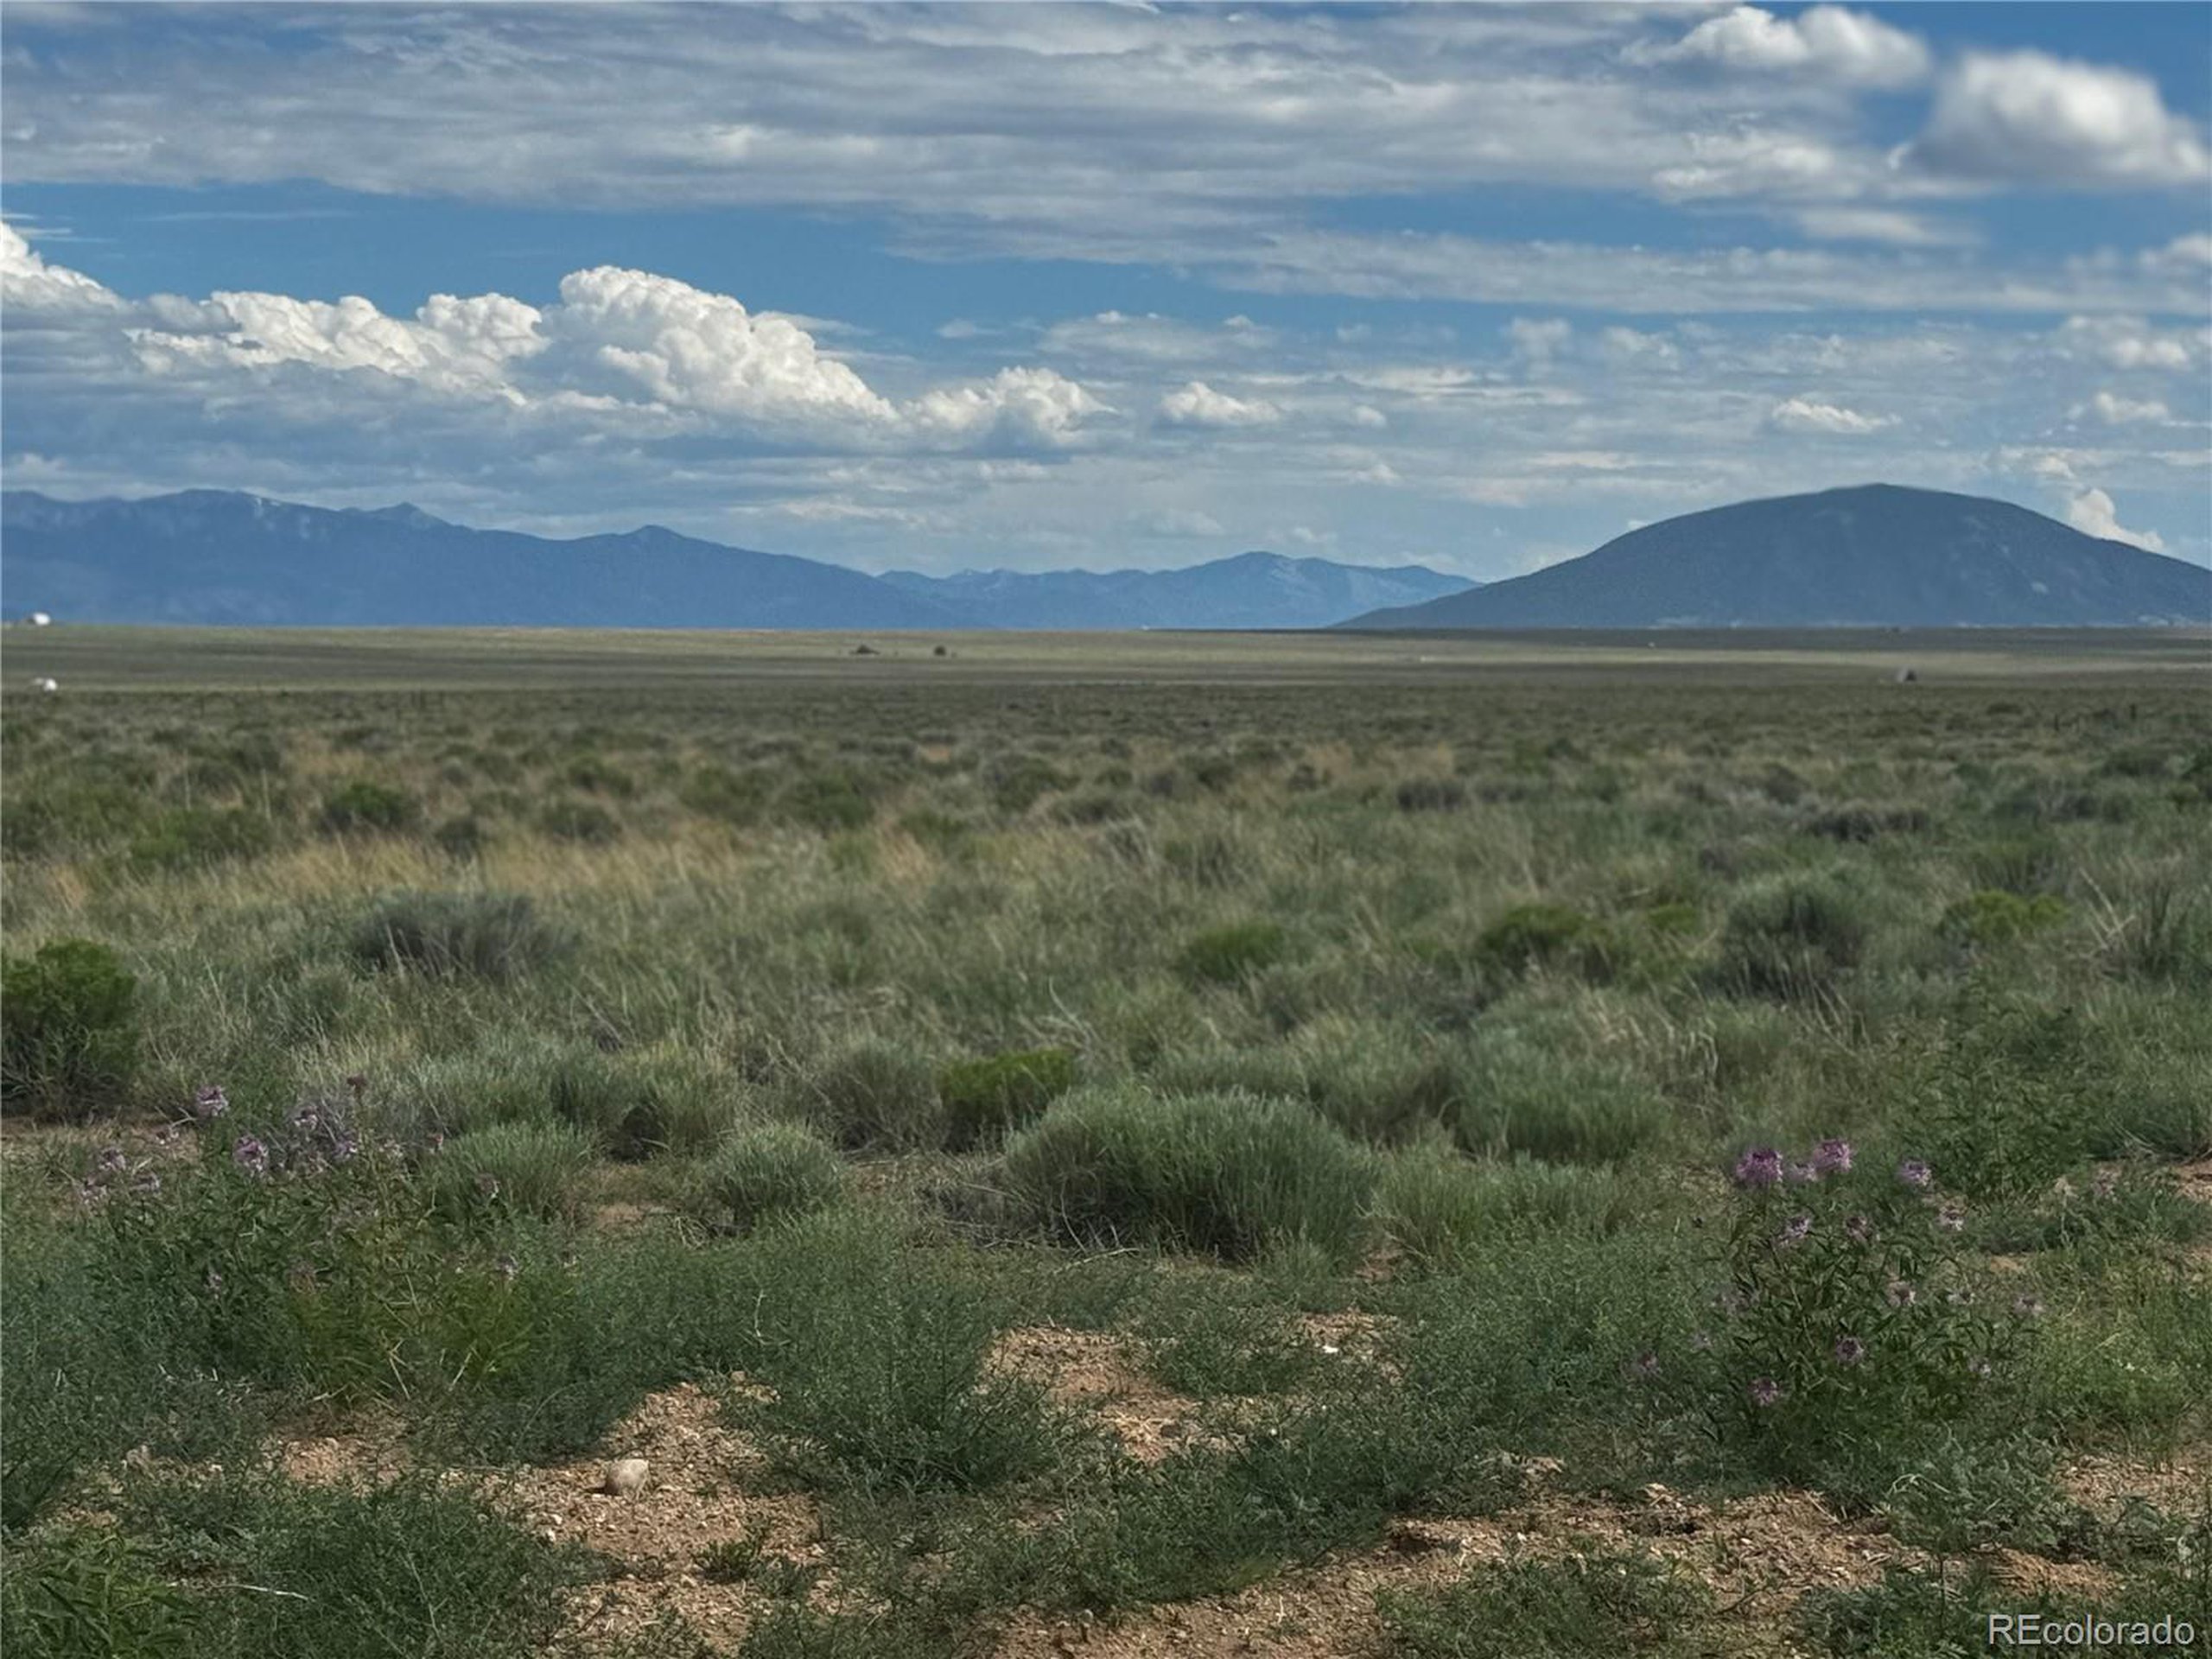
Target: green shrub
{"x": 463, "y": 836}
{"x": 1232, "y": 954}
{"x": 71, "y": 1028}
{"x": 985, "y": 1097}
{"x": 761, "y": 1172}
{"x": 1017, "y": 781}
{"x": 1596, "y": 1600}
{"x": 1442, "y": 1210}
{"x": 1431, "y": 795}
{"x": 717, "y": 791}
{"x": 1227, "y": 1173}
{"x": 1994, "y": 916}
{"x": 598, "y": 777}
{"x": 875, "y": 1094}
{"x": 363, "y": 806}
{"x": 583, "y": 822}
{"x": 829, "y": 802}
{"x": 186, "y": 838}
{"x": 1791, "y": 938}
{"x": 639, "y": 1105}
{"x": 491, "y": 935}
{"x": 89, "y": 1593}
{"x": 1545, "y": 935}
{"x": 530, "y": 1168}
{"x": 1530, "y": 1093}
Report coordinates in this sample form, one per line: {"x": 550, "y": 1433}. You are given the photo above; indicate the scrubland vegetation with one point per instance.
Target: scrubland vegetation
{"x": 1489, "y": 1148}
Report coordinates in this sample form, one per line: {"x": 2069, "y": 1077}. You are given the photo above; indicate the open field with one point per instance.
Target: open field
{"x": 1208, "y": 1145}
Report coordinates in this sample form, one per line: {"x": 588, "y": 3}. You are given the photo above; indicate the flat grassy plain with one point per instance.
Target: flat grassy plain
{"x": 1416, "y": 1146}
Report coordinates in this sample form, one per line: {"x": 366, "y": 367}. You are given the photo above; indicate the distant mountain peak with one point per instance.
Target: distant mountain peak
{"x": 1861, "y": 556}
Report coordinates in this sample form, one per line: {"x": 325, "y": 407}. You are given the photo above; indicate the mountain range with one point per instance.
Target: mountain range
{"x": 217, "y": 556}
{"x": 1873, "y": 556}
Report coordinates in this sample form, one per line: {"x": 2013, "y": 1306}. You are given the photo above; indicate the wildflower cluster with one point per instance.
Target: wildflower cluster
{"x": 1848, "y": 1313}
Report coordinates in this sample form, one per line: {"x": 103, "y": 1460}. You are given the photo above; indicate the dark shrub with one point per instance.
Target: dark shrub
{"x": 1430, "y": 794}
{"x": 365, "y": 806}
{"x": 1548, "y": 936}
{"x": 462, "y": 837}
{"x": 1229, "y": 954}
{"x": 71, "y": 1042}
{"x": 875, "y": 1094}
{"x": 1229, "y": 1173}
{"x": 580, "y": 821}
{"x": 598, "y": 777}
{"x": 492, "y": 935}
{"x": 1017, "y": 781}
{"x": 1791, "y": 938}
{"x": 829, "y": 801}
{"x": 985, "y": 1097}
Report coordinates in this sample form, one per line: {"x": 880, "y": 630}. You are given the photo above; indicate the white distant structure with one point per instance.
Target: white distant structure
{"x": 46, "y": 682}
{"x": 39, "y": 619}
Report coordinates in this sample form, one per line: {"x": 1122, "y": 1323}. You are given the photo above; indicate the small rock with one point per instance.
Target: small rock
{"x": 625, "y": 1476}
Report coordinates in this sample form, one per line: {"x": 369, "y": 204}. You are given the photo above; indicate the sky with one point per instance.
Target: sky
{"x": 1038, "y": 286}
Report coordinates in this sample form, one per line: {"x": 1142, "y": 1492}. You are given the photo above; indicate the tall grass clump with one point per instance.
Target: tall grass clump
{"x": 1226, "y": 1173}
{"x": 874, "y": 1094}
{"x": 535, "y": 1169}
{"x": 761, "y": 1173}
{"x": 1791, "y": 938}
{"x": 69, "y": 1029}
{"x": 494, "y": 936}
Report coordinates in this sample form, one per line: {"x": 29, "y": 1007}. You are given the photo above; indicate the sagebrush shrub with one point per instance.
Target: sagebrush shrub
{"x": 1226, "y": 1173}
{"x": 187, "y": 837}
{"x": 1547, "y": 936}
{"x": 68, "y": 1028}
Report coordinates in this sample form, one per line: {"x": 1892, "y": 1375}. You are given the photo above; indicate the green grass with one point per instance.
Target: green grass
{"x": 596, "y": 1014}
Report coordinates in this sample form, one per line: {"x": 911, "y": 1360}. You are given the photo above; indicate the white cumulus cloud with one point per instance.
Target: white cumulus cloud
{"x": 1196, "y": 403}
{"x": 2115, "y": 410}
{"x": 1830, "y": 41}
{"x": 1809, "y": 415}
{"x": 2030, "y": 117}
{"x": 2092, "y": 512}
{"x": 28, "y": 282}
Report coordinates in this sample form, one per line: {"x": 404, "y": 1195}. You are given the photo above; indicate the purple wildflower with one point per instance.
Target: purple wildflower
{"x": 1858, "y": 1229}
{"x": 111, "y": 1161}
{"x": 1832, "y": 1157}
{"x": 147, "y": 1182}
{"x": 1759, "y": 1166}
{"x": 1914, "y": 1172}
{"x": 1901, "y": 1292}
{"x": 210, "y": 1102}
{"x": 2027, "y": 1306}
{"x": 1765, "y": 1392}
{"x": 1952, "y": 1218}
{"x": 250, "y": 1155}
{"x": 1793, "y": 1231}
{"x": 1849, "y": 1350}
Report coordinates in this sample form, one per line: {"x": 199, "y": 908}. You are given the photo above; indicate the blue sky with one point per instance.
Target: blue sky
{"x": 1033, "y": 286}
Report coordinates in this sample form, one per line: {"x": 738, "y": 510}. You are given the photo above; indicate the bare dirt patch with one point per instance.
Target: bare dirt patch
{"x": 696, "y": 1493}
{"x": 1087, "y": 1371}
